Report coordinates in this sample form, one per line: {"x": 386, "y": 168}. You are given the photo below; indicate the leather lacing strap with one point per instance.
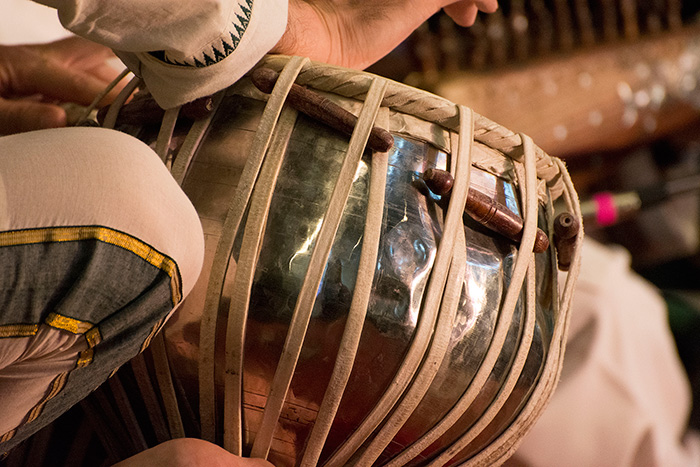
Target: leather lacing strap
{"x": 358, "y": 307}
{"x": 165, "y": 135}
{"x": 317, "y": 264}
{"x": 524, "y": 268}
{"x": 429, "y": 310}
{"x": 113, "y": 111}
{"x": 245, "y": 273}
{"x": 127, "y": 414}
{"x": 167, "y": 389}
{"x": 192, "y": 140}
{"x": 503, "y": 447}
{"x": 426, "y": 106}
{"x": 150, "y": 398}
{"x": 207, "y": 405}
{"x": 183, "y": 158}
{"x": 85, "y": 116}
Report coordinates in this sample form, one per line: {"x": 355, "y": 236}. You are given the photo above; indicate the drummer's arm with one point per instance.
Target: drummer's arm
{"x": 186, "y": 50}
{"x": 355, "y": 34}
{"x": 35, "y": 78}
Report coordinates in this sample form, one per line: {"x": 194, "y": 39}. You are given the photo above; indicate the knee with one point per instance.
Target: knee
{"x": 100, "y": 177}
{"x": 155, "y": 209}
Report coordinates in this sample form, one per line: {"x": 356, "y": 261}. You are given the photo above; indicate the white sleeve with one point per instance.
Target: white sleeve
{"x": 182, "y": 49}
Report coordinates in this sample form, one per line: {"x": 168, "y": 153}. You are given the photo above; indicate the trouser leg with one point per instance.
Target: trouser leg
{"x": 98, "y": 246}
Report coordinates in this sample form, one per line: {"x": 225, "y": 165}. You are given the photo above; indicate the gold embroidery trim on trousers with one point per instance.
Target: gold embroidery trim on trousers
{"x": 67, "y": 323}
{"x": 92, "y": 333}
{"x": 8, "y": 436}
{"x": 55, "y": 388}
{"x": 85, "y": 358}
{"x": 93, "y": 337}
{"x": 18, "y": 330}
{"x": 103, "y": 234}
{"x": 152, "y": 334}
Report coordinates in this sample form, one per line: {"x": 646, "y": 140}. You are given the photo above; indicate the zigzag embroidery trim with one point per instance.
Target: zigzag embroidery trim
{"x": 228, "y": 44}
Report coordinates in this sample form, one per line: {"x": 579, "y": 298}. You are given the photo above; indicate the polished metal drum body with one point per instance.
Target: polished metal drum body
{"x": 491, "y": 398}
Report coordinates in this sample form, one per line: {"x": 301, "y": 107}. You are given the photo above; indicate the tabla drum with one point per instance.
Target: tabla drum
{"x": 346, "y": 314}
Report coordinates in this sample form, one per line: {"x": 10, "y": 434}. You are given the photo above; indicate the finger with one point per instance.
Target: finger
{"x": 17, "y": 116}
{"x": 107, "y": 73}
{"x": 104, "y": 72}
{"x": 57, "y": 82}
{"x": 74, "y": 51}
{"x": 487, "y": 6}
{"x": 463, "y": 13}
{"x": 81, "y": 54}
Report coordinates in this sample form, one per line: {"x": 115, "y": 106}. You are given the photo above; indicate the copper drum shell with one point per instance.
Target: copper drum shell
{"x": 411, "y": 232}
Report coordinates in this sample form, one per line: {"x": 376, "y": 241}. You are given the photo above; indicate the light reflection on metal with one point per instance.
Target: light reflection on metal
{"x": 305, "y": 248}
{"x": 479, "y": 275}
{"x": 361, "y": 171}
{"x": 510, "y": 198}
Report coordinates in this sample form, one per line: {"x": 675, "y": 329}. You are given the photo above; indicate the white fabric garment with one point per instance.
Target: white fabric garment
{"x": 88, "y": 176}
{"x": 623, "y": 399}
{"x": 196, "y": 35}
{"x": 112, "y": 175}
{"x": 84, "y": 177}
{"x": 28, "y": 365}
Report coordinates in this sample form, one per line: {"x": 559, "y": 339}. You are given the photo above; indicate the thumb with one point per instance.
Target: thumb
{"x": 53, "y": 80}
{"x": 17, "y": 116}
{"x": 463, "y": 12}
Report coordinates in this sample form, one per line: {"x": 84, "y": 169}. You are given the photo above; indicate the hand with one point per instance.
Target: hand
{"x": 189, "y": 452}
{"x": 35, "y": 78}
{"x": 356, "y": 33}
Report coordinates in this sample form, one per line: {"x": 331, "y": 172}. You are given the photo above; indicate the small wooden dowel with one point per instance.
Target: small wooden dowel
{"x": 566, "y": 228}
{"x": 322, "y": 109}
{"x": 485, "y": 210}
